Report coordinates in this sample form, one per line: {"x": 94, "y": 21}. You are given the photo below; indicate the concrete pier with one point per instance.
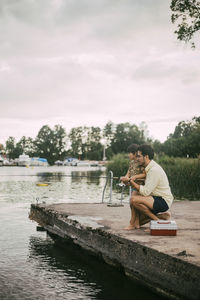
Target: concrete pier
{"x": 169, "y": 265}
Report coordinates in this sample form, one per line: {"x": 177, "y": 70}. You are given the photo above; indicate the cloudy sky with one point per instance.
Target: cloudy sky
{"x": 87, "y": 62}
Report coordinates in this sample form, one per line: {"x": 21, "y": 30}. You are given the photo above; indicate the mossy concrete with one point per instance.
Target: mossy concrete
{"x": 170, "y": 265}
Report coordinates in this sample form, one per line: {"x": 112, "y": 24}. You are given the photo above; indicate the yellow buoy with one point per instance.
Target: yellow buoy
{"x": 42, "y": 184}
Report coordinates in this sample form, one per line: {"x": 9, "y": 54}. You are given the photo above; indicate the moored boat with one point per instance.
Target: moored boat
{"x": 24, "y": 160}
{"x": 37, "y": 161}
{"x": 1, "y": 160}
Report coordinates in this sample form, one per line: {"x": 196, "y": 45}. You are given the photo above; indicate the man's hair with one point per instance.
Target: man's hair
{"x": 146, "y": 150}
{"x": 133, "y": 148}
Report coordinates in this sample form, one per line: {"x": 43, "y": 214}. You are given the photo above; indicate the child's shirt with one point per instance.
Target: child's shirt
{"x": 135, "y": 169}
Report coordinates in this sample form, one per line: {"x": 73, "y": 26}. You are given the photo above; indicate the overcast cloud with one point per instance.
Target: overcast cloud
{"x": 85, "y": 62}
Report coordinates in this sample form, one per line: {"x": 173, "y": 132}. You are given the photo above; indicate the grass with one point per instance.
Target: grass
{"x": 184, "y": 177}
{"x": 118, "y": 165}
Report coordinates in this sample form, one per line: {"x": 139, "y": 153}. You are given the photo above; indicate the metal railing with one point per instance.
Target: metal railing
{"x": 110, "y": 203}
{"x": 111, "y": 186}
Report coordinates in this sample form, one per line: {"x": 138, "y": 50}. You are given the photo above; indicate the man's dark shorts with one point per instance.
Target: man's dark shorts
{"x": 159, "y": 205}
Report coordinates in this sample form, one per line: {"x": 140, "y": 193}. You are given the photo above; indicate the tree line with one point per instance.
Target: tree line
{"x": 82, "y": 142}
{"x": 183, "y": 142}
{"x": 88, "y": 142}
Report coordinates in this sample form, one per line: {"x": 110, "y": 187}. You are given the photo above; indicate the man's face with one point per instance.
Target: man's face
{"x": 140, "y": 158}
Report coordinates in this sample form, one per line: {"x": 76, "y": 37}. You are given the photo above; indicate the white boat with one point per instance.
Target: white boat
{"x": 6, "y": 162}
{"x": 70, "y": 161}
{"x": 81, "y": 163}
{"x": 37, "y": 161}
{"x": 24, "y": 160}
{"x": 58, "y": 163}
{"x": 94, "y": 163}
{"x": 1, "y": 160}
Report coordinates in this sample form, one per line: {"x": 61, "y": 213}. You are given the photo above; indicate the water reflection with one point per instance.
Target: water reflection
{"x": 88, "y": 177}
{"x": 33, "y": 266}
{"x": 78, "y": 275}
{"x": 65, "y": 184}
{"x": 51, "y": 177}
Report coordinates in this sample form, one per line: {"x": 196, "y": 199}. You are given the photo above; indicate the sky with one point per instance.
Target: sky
{"x": 87, "y": 62}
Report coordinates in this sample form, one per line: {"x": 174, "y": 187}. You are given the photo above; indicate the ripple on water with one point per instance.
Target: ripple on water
{"x": 32, "y": 266}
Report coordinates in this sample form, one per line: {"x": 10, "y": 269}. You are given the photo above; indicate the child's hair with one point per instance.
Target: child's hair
{"x": 132, "y": 148}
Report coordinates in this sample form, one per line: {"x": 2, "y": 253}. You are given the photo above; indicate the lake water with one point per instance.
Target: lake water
{"x": 32, "y": 266}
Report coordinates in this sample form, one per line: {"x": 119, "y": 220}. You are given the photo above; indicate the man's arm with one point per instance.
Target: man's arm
{"x": 134, "y": 184}
{"x": 151, "y": 183}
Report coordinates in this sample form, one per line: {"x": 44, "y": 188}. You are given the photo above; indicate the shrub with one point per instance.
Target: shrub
{"x": 184, "y": 178}
{"x": 118, "y": 165}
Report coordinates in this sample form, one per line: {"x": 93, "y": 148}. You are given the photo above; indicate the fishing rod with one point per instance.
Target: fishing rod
{"x": 57, "y": 175}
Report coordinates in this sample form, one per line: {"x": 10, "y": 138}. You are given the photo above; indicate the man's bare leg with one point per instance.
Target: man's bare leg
{"x": 144, "y": 205}
{"x": 164, "y": 215}
{"x": 161, "y": 216}
{"x": 144, "y": 219}
{"x": 137, "y": 220}
{"x": 147, "y": 212}
{"x": 143, "y": 208}
{"x": 147, "y": 207}
{"x": 143, "y": 214}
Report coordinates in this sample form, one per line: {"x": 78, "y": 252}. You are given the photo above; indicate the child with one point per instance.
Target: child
{"x": 135, "y": 172}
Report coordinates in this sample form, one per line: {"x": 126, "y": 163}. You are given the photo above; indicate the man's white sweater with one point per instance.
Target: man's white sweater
{"x": 156, "y": 183}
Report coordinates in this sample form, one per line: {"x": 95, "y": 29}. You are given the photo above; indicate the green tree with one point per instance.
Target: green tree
{"x": 11, "y": 150}
{"x": 94, "y": 148}
{"x": 1, "y": 148}
{"x": 157, "y": 146}
{"x": 86, "y": 142}
{"x": 124, "y": 135}
{"x": 27, "y": 146}
{"x": 187, "y": 13}
{"x": 76, "y": 139}
{"x": 183, "y": 129}
{"x": 51, "y": 143}
{"x": 175, "y": 147}
{"x": 108, "y": 134}
{"x": 185, "y": 140}
{"x": 60, "y": 138}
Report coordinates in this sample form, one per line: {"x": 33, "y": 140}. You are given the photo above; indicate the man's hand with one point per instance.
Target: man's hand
{"x": 135, "y": 185}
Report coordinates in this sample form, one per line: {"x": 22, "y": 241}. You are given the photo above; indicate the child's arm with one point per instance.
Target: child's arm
{"x": 138, "y": 176}
{"x": 125, "y": 178}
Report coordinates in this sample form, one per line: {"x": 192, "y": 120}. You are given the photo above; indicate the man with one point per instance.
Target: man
{"x": 154, "y": 196}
